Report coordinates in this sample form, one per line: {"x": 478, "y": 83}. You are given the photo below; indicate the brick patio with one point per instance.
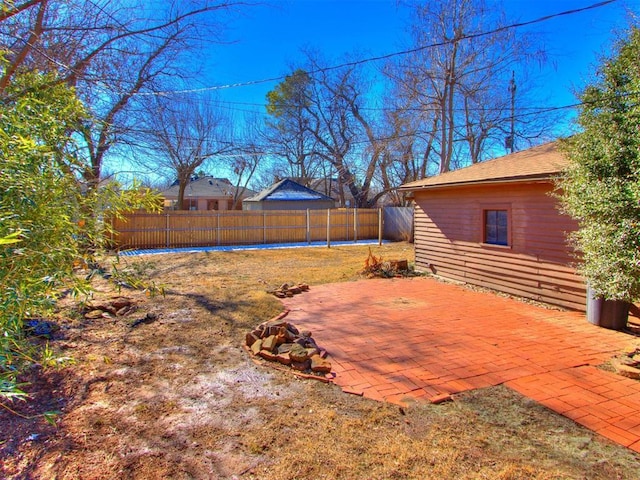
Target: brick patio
{"x": 399, "y": 340}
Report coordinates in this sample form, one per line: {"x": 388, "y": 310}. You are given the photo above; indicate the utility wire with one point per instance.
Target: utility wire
{"x": 534, "y": 111}
{"x": 388, "y": 55}
{"x": 230, "y": 106}
{"x": 356, "y": 141}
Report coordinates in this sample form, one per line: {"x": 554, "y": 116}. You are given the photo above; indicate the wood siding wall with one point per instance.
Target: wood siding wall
{"x": 537, "y": 262}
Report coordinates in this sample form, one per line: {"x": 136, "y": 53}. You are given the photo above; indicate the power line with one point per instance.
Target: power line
{"x": 519, "y": 116}
{"x": 388, "y": 55}
{"x": 228, "y": 105}
{"x": 357, "y": 141}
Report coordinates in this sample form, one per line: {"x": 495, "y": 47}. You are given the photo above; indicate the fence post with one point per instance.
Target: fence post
{"x": 211, "y": 230}
{"x": 264, "y": 226}
{"x": 168, "y": 232}
{"x": 355, "y": 225}
{"x": 346, "y": 224}
{"x": 328, "y": 228}
{"x": 218, "y": 228}
{"x": 379, "y": 226}
{"x": 308, "y": 226}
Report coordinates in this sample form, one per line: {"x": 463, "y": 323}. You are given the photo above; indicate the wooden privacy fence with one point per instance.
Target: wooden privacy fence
{"x": 218, "y": 228}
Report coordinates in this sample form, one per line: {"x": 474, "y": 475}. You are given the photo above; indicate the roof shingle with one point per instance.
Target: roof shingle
{"x": 206, "y": 187}
{"x": 288, "y": 190}
{"x": 537, "y": 163}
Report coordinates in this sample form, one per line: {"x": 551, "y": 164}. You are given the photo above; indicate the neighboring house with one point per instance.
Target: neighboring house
{"x": 205, "y": 193}
{"x": 330, "y": 187}
{"x": 495, "y": 224}
{"x": 288, "y": 195}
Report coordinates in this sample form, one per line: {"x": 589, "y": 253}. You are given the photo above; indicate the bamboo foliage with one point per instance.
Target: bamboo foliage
{"x": 222, "y": 228}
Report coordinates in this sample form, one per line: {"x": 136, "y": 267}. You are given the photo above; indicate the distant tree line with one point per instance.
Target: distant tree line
{"x": 449, "y": 100}
{"x": 457, "y": 94}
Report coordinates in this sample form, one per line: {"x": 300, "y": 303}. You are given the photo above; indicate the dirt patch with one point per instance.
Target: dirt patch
{"x": 400, "y": 303}
{"x": 179, "y": 397}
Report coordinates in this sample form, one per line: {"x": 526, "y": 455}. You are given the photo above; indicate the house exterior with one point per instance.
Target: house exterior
{"x": 495, "y": 224}
{"x": 331, "y": 187}
{"x": 288, "y": 195}
{"x": 205, "y": 193}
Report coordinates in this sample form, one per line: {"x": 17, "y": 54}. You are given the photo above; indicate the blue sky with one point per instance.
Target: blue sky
{"x": 268, "y": 38}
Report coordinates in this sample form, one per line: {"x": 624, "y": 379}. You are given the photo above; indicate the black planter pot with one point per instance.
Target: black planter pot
{"x": 612, "y": 314}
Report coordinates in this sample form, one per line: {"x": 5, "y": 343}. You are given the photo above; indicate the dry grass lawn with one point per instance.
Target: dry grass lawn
{"x": 180, "y": 398}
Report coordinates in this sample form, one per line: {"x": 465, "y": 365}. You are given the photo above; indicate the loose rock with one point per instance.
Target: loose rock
{"x": 320, "y": 365}
{"x": 148, "y": 318}
{"x": 118, "y": 306}
{"x": 278, "y": 341}
{"x": 298, "y": 353}
{"x": 628, "y": 364}
{"x": 286, "y": 290}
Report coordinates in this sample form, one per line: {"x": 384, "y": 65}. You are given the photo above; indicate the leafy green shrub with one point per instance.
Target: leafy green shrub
{"x": 601, "y": 189}
{"x": 49, "y": 220}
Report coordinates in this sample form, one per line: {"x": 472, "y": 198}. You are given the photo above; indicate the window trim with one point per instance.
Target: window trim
{"x": 483, "y": 216}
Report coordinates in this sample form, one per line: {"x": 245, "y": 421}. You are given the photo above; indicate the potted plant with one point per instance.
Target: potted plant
{"x": 601, "y": 187}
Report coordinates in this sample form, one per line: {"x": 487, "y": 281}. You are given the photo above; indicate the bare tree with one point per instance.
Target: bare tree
{"x": 184, "y": 135}
{"x": 250, "y": 153}
{"x": 456, "y": 85}
{"x": 329, "y": 105}
{"x": 112, "y": 51}
{"x": 401, "y": 161}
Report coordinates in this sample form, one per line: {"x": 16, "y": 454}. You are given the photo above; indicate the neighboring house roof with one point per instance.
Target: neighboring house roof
{"x": 205, "y": 187}
{"x": 289, "y": 191}
{"x": 330, "y": 186}
{"x": 537, "y": 163}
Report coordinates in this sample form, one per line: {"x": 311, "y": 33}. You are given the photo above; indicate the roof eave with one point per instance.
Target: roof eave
{"x": 547, "y": 177}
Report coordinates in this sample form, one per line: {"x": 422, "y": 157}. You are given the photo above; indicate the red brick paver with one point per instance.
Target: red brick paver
{"x": 419, "y": 339}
